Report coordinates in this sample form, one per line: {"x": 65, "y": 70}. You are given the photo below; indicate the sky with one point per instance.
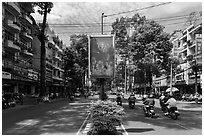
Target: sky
{"x": 85, "y": 17}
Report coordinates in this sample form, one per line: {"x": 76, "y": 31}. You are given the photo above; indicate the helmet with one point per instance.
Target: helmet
{"x": 151, "y": 96}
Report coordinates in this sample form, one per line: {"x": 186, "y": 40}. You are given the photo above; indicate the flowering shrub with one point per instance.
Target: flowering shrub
{"x": 105, "y": 116}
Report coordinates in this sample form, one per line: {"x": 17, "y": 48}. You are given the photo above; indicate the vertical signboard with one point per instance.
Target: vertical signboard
{"x": 101, "y": 56}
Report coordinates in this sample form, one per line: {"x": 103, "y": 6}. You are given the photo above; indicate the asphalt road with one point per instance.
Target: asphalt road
{"x": 70, "y": 118}
{"x": 60, "y": 117}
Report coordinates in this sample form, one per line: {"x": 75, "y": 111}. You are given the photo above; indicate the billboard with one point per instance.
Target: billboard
{"x": 101, "y": 56}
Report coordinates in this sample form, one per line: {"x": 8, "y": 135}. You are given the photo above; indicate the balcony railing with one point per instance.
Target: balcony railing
{"x": 15, "y": 26}
{"x": 10, "y": 44}
{"x": 26, "y": 19}
{"x": 26, "y": 36}
{"x": 27, "y": 53}
{"x": 13, "y": 7}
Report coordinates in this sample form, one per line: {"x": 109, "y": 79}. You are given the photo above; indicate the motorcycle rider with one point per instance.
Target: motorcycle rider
{"x": 163, "y": 99}
{"x": 132, "y": 98}
{"x": 119, "y": 99}
{"x": 171, "y": 103}
{"x": 148, "y": 102}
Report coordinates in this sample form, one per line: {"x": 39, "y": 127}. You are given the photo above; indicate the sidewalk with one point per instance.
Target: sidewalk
{"x": 20, "y": 107}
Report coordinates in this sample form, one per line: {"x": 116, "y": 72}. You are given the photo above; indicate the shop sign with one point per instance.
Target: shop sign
{"x": 32, "y": 74}
{"x": 6, "y": 75}
{"x": 101, "y": 56}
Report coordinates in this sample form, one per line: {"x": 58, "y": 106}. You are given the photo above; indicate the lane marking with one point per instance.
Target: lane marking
{"x": 82, "y": 124}
{"x": 124, "y": 129}
{"x": 182, "y": 126}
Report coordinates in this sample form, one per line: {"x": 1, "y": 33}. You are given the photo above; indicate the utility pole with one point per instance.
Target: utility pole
{"x": 42, "y": 39}
{"x": 102, "y": 80}
{"x": 102, "y": 16}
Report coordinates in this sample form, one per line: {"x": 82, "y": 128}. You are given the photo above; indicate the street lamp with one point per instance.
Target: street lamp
{"x": 102, "y": 16}
{"x": 171, "y": 75}
{"x": 130, "y": 30}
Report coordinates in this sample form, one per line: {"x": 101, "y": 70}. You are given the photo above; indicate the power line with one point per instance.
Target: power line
{"x": 139, "y": 9}
{"x": 111, "y": 30}
{"x": 109, "y": 24}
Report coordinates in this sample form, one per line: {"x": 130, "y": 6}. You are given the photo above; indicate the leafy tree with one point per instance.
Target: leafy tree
{"x": 76, "y": 60}
{"x": 149, "y": 45}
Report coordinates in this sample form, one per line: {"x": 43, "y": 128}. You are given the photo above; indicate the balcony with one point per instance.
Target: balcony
{"x": 27, "y": 53}
{"x": 14, "y": 26}
{"x": 56, "y": 47}
{"x": 51, "y": 44}
{"x": 25, "y": 19}
{"x": 20, "y": 43}
{"x": 179, "y": 77}
{"x": 60, "y": 50}
{"x": 26, "y": 36}
{"x": 13, "y": 7}
{"x": 58, "y": 58}
{"x": 11, "y": 46}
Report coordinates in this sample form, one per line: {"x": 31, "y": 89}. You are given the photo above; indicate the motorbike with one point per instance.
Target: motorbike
{"x": 71, "y": 98}
{"x": 119, "y": 103}
{"x": 149, "y": 110}
{"x": 131, "y": 104}
{"x": 173, "y": 113}
{"x": 5, "y": 105}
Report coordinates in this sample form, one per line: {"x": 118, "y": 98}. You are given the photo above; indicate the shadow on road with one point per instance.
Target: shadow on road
{"x": 61, "y": 118}
{"x": 139, "y": 130}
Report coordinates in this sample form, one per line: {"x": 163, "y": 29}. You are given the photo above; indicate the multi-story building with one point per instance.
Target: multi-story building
{"x": 21, "y": 52}
{"x": 190, "y": 45}
{"x": 18, "y": 72}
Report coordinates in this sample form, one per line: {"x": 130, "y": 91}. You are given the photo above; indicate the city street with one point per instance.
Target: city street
{"x": 71, "y": 118}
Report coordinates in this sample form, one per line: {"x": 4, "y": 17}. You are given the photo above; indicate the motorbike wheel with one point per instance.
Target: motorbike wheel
{"x": 174, "y": 116}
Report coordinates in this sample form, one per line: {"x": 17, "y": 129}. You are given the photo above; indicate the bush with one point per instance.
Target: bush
{"x": 105, "y": 116}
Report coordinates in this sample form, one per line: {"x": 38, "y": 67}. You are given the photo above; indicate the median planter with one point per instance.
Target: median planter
{"x": 105, "y": 117}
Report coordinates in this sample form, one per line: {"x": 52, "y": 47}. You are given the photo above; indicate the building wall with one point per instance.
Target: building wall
{"x": 21, "y": 52}
{"x": 190, "y": 43}
{"x": 18, "y": 73}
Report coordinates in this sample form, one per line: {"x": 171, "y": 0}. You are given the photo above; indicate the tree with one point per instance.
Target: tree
{"x": 76, "y": 61}
{"x": 43, "y": 9}
{"x": 149, "y": 45}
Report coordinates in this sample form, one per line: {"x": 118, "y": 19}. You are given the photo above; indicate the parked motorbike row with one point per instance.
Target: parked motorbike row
{"x": 10, "y": 100}
{"x": 149, "y": 111}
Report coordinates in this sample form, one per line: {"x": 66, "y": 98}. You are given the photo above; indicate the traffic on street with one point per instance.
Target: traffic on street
{"x": 101, "y": 68}
{"x": 71, "y": 118}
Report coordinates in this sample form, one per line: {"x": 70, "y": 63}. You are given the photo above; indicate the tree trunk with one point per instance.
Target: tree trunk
{"x": 43, "y": 52}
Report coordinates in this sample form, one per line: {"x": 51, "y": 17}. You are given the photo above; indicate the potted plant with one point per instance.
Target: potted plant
{"x": 105, "y": 116}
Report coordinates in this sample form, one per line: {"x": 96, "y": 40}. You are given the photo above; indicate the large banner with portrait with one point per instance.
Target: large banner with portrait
{"x": 101, "y": 56}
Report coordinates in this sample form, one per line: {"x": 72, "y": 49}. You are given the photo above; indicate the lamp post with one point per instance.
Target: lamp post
{"x": 171, "y": 79}
{"x": 102, "y": 16}
{"x": 130, "y": 30}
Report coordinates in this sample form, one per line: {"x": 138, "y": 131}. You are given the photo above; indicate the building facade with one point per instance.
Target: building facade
{"x": 21, "y": 50}
{"x": 18, "y": 72}
{"x": 189, "y": 45}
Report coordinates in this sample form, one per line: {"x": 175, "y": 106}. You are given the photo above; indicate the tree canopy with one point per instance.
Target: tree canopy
{"x": 149, "y": 46}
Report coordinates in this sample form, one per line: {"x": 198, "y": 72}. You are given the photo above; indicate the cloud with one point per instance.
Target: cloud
{"x": 90, "y": 12}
